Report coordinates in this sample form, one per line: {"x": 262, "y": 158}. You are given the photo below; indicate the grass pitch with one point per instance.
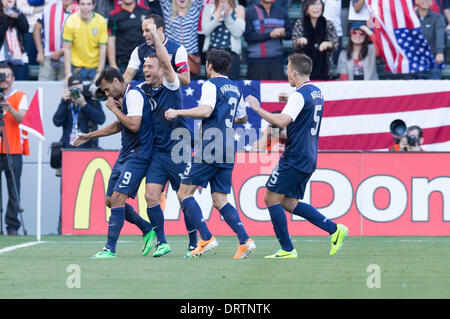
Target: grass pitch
{"x": 401, "y": 267}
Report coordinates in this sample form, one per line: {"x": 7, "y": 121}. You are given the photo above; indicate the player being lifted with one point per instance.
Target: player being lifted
{"x": 133, "y": 113}
{"x": 302, "y": 116}
{"x": 220, "y": 103}
{"x": 162, "y": 88}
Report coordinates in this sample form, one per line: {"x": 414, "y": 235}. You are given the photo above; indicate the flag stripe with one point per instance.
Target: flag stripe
{"x": 407, "y": 15}
{"x": 378, "y": 140}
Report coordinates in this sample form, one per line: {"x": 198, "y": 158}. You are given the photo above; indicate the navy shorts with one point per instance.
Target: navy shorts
{"x": 288, "y": 181}
{"x": 163, "y": 169}
{"x": 127, "y": 175}
{"x": 200, "y": 174}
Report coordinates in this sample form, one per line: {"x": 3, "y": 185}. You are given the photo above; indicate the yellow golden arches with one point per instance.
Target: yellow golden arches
{"x": 83, "y": 201}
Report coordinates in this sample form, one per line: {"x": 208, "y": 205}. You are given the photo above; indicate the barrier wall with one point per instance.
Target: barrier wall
{"x": 373, "y": 193}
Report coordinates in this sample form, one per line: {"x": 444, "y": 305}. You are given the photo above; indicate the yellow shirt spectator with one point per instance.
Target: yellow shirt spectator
{"x": 85, "y": 39}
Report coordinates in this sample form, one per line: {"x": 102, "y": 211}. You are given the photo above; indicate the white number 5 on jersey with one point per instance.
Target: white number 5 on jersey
{"x": 317, "y": 109}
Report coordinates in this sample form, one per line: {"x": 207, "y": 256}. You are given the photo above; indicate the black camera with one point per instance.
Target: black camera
{"x": 75, "y": 93}
{"x": 398, "y": 129}
{"x": 3, "y": 77}
{"x": 412, "y": 140}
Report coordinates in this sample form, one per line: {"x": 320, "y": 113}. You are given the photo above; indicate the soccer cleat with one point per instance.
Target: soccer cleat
{"x": 104, "y": 253}
{"x": 203, "y": 246}
{"x": 244, "y": 250}
{"x": 282, "y": 254}
{"x": 188, "y": 253}
{"x": 161, "y": 250}
{"x": 337, "y": 238}
{"x": 148, "y": 241}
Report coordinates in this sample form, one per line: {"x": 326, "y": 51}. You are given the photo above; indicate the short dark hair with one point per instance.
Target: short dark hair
{"x": 301, "y": 63}
{"x": 5, "y": 65}
{"x": 159, "y": 21}
{"x": 220, "y": 60}
{"x": 153, "y": 55}
{"x": 109, "y": 74}
{"x": 418, "y": 128}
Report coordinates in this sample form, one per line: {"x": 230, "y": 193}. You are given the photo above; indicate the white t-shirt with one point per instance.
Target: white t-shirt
{"x": 332, "y": 12}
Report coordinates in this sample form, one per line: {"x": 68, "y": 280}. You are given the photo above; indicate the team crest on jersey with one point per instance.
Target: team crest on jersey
{"x": 94, "y": 31}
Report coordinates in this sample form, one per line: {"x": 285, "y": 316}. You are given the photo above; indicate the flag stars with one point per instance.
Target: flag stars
{"x": 189, "y": 91}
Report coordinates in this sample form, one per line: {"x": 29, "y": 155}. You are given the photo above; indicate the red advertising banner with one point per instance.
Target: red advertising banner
{"x": 373, "y": 193}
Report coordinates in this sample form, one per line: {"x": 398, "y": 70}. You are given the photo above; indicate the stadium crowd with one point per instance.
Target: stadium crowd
{"x": 53, "y": 39}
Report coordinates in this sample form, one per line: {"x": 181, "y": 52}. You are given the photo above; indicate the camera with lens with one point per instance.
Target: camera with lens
{"x": 399, "y": 130}
{"x": 86, "y": 91}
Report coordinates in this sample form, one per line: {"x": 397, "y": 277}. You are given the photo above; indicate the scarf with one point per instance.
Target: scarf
{"x": 316, "y": 35}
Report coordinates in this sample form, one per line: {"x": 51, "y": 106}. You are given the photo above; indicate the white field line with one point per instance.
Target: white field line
{"x": 11, "y": 248}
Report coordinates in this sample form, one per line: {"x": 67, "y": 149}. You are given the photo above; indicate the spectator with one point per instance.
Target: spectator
{"x": 223, "y": 24}
{"x": 283, "y": 4}
{"x": 179, "y": 56}
{"x": 265, "y": 28}
{"x": 104, "y": 7}
{"x": 332, "y": 12}
{"x": 32, "y": 11}
{"x": 78, "y": 113}
{"x": 433, "y": 29}
{"x": 182, "y": 18}
{"x": 47, "y": 36}
{"x": 358, "y": 11}
{"x": 85, "y": 37}
{"x": 14, "y": 108}
{"x": 359, "y": 60}
{"x": 316, "y": 37}
{"x": 125, "y": 34}
{"x": 13, "y": 26}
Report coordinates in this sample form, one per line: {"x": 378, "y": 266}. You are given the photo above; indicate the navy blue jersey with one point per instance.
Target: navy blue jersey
{"x": 135, "y": 103}
{"x": 178, "y": 55}
{"x": 223, "y": 95}
{"x": 161, "y": 99}
{"x": 305, "y": 107}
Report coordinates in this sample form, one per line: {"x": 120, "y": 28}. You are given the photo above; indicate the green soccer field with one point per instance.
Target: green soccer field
{"x": 366, "y": 267}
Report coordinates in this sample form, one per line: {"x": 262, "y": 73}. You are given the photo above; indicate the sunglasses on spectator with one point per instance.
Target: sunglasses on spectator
{"x": 358, "y": 32}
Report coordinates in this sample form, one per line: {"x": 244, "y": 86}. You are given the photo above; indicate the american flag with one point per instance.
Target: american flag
{"x": 399, "y": 36}
{"x": 357, "y": 114}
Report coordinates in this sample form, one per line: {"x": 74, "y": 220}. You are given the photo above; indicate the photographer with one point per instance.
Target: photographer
{"x": 78, "y": 113}
{"x": 13, "y": 106}
{"x": 406, "y": 139}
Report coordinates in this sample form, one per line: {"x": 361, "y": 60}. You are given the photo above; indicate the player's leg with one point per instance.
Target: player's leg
{"x": 174, "y": 172}
{"x": 279, "y": 222}
{"x": 156, "y": 216}
{"x": 193, "y": 211}
{"x": 231, "y": 216}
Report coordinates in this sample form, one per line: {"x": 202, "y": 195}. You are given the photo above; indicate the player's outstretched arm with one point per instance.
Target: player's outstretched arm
{"x": 199, "y": 112}
{"x": 111, "y": 129}
{"x": 163, "y": 55}
{"x": 281, "y": 120}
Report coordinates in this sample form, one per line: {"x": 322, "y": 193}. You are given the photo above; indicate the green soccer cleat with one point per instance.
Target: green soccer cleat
{"x": 282, "y": 254}
{"x": 161, "y": 250}
{"x": 148, "y": 241}
{"x": 337, "y": 239}
{"x": 104, "y": 253}
{"x": 188, "y": 253}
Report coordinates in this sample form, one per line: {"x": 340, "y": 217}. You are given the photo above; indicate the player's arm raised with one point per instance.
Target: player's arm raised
{"x": 281, "y": 120}
{"x": 111, "y": 129}
{"x": 163, "y": 55}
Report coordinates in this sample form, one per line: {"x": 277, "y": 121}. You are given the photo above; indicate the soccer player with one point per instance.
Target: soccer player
{"x": 133, "y": 112}
{"x": 221, "y": 102}
{"x": 302, "y": 117}
{"x": 178, "y": 54}
{"x": 162, "y": 87}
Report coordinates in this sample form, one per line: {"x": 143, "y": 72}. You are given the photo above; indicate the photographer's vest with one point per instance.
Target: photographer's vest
{"x": 17, "y": 138}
